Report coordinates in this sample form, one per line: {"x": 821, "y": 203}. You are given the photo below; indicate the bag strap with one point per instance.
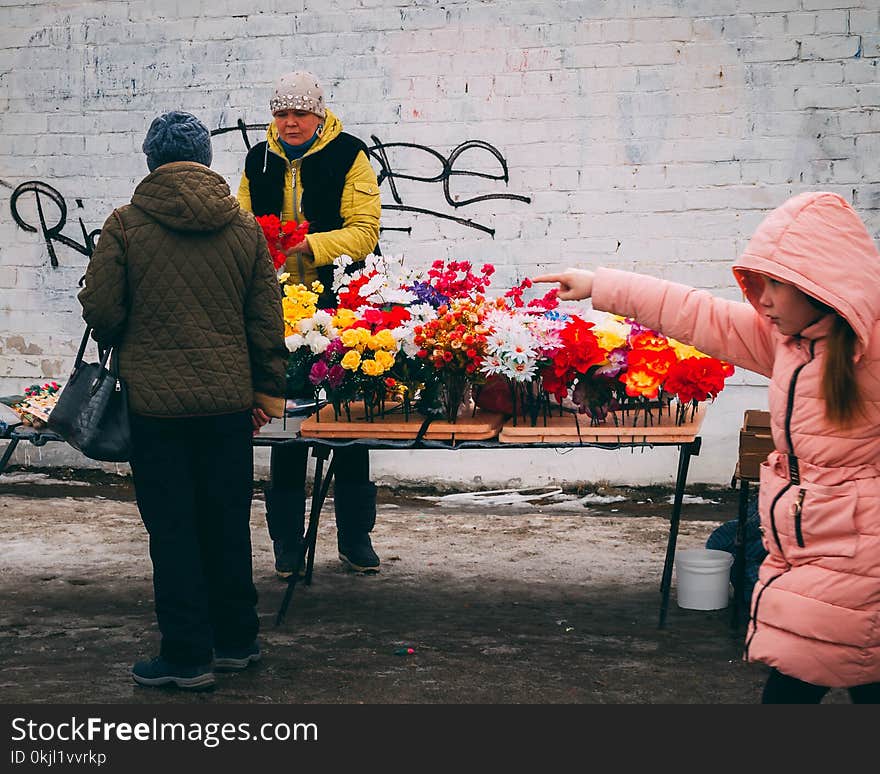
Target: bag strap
{"x": 122, "y": 229}
{"x": 104, "y": 354}
{"x": 82, "y": 348}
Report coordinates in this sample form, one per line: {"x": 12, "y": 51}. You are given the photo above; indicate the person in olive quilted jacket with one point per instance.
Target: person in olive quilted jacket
{"x": 182, "y": 283}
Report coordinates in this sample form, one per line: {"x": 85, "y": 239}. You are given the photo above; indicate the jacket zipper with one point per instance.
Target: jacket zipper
{"x": 754, "y": 614}
{"x": 798, "y": 508}
{"x": 773, "y": 515}
{"x": 300, "y": 260}
{"x": 789, "y": 410}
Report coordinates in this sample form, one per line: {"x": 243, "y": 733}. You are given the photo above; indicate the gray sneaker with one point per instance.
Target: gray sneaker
{"x": 358, "y": 554}
{"x": 158, "y": 672}
{"x": 236, "y": 659}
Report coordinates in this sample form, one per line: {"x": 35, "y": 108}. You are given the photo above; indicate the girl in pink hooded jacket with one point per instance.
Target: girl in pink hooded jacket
{"x": 811, "y": 276}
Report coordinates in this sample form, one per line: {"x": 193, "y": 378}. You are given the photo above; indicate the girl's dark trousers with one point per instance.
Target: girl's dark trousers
{"x": 782, "y": 689}
{"x": 193, "y": 480}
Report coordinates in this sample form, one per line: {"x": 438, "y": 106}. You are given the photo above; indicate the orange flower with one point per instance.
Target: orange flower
{"x": 647, "y": 368}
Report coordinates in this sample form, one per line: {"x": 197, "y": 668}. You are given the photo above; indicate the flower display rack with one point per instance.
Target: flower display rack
{"x": 394, "y": 425}
{"x": 632, "y": 427}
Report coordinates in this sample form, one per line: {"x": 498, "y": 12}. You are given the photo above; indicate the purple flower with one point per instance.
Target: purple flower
{"x": 635, "y": 328}
{"x": 428, "y": 294}
{"x": 318, "y": 372}
{"x": 335, "y": 347}
{"x": 616, "y": 363}
{"x": 336, "y": 377}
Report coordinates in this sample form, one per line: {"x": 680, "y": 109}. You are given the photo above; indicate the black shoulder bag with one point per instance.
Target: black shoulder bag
{"x": 92, "y": 410}
{"x": 91, "y": 413}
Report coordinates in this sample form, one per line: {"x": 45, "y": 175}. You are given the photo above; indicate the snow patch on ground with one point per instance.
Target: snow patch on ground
{"x": 36, "y": 478}
{"x": 692, "y": 500}
{"x": 551, "y": 498}
{"x": 596, "y": 499}
{"x": 513, "y": 497}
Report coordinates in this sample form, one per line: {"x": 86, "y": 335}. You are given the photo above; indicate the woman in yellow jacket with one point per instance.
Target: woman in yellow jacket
{"x": 309, "y": 169}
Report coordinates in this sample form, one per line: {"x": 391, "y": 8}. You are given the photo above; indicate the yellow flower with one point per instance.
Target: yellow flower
{"x": 317, "y": 287}
{"x": 294, "y": 311}
{"x": 609, "y": 340}
{"x": 370, "y": 367}
{"x": 298, "y": 304}
{"x": 684, "y": 351}
{"x": 385, "y": 340}
{"x": 352, "y": 360}
{"x": 343, "y": 318}
{"x": 384, "y": 359}
{"x": 351, "y": 337}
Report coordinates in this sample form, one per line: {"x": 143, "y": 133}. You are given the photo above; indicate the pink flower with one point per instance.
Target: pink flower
{"x": 318, "y": 372}
{"x": 336, "y": 376}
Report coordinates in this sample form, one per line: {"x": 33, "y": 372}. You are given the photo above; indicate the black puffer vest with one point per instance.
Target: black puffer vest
{"x": 323, "y": 178}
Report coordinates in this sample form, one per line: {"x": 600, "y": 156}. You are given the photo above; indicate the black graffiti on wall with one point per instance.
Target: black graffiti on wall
{"x": 52, "y": 212}
{"x": 45, "y": 194}
{"x": 447, "y": 169}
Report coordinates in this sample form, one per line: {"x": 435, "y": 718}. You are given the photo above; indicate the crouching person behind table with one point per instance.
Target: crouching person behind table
{"x": 811, "y": 278}
{"x": 182, "y": 283}
{"x": 309, "y": 169}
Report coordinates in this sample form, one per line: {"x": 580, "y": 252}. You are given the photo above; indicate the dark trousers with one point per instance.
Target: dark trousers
{"x": 193, "y": 480}
{"x": 285, "y": 495}
{"x": 782, "y": 689}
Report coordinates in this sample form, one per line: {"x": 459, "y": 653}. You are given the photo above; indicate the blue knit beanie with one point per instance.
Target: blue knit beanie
{"x": 177, "y": 136}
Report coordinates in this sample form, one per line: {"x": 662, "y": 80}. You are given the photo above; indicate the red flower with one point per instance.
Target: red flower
{"x": 697, "y": 378}
{"x": 547, "y": 302}
{"x": 350, "y": 298}
{"x": 456, "y": 280}
{"x": 280, "y": 237}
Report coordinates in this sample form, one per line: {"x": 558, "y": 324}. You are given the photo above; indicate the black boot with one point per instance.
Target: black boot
{"x": 285, "y": 517}
{"x": 355, "y": 517}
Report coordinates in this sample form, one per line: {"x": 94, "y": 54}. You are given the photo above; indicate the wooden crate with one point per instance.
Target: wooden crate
{"x": 629, "y": 429}
{"x": 755, "y": 443}
{"x": 482, "y": 426}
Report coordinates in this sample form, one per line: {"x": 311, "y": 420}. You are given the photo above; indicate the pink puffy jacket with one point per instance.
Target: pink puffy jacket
{"x": 815, "y": 612}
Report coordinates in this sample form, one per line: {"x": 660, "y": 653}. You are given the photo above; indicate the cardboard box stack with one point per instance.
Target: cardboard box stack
{"x": 755, "y": 442}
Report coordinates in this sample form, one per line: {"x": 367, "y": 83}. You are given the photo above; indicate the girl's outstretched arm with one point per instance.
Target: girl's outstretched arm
{"x": 574, "y": 284}
{"x": 729, "y": 330}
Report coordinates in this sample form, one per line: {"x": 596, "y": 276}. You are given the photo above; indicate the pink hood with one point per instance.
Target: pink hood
{"x": 817, "y": 242}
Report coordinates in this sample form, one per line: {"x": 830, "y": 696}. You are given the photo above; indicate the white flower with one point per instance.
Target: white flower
{"x": 340, "y": 277}
{"x": 294, "y": 342}
{"x": 399, "y": 296}
{"x": 317, "y": 342}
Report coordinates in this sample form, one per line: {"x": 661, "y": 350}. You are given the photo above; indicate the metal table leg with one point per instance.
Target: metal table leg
{"x": 740, "y": 554}
{"x": 686, "y": 451}
{"x": 320, "y": 488}
{"x": 7, "y": 453}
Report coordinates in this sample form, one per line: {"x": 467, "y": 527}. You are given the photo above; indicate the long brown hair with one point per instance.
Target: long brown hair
{"x": 839, "y": 386}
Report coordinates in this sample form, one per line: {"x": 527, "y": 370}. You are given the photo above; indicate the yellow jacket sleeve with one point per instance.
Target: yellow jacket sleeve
{"x": 360, "y": 209}
{"x": 244, "y": 193}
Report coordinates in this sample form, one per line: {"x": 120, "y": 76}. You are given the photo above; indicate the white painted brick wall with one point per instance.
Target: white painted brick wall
{"x": 651, "y": 136}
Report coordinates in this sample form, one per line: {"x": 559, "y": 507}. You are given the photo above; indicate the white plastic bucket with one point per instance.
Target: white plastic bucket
{"x": 702, "y": 578}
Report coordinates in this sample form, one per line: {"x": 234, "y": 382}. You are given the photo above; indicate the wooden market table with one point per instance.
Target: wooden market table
{"x": 483, "y": 432}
